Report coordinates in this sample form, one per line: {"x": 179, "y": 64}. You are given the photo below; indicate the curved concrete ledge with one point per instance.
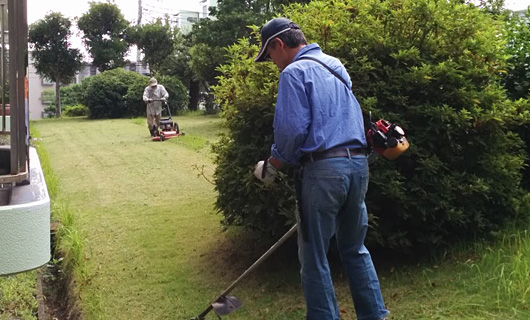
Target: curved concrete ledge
{"x": 25, "y": 224}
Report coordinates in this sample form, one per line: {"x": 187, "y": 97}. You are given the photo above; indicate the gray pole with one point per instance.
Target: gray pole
{"x": 140, "y": 9}
{"x": 2, "y": 62}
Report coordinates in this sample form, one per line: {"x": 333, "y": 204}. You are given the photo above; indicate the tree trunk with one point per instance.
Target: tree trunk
{"x": 58, "y": 98}
{"x": 209, "y": 103}
{"x": 194, "y": 94}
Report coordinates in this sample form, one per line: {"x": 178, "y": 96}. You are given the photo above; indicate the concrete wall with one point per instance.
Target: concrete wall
{"x": 36, "y": 85}
{"x": 25, "y": 224}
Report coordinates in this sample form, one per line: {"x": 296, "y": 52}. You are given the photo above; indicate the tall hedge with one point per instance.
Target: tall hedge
{"x": 72, "y": 94}
{"x": 431, "y": 66}
{"x": 104, "y": 93}
{"x": 247, "y": 92}
{"x": 119, "y": 93}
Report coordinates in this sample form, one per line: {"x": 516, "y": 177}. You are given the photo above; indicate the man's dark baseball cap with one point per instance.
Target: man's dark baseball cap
{"x": 271, "y": 30}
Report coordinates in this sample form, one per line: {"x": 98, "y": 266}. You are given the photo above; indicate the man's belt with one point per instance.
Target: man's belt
{"x": 338, "y": 152}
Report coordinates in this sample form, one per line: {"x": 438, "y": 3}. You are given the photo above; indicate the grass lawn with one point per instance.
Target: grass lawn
{"x": 153, "y": 247}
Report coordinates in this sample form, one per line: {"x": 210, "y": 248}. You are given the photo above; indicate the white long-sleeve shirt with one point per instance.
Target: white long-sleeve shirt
{"x": 155, "y": 93}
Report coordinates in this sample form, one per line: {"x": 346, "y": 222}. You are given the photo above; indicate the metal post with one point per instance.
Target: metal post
{"x": 138, "y": 53}
{"x": 25, "y": 80}
{"x": 13, "y": 88}
{"x": 3, "y": 4}
{"x": 18, "y": 33}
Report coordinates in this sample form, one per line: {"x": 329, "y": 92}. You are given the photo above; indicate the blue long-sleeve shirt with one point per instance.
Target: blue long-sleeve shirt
{"x": 315, "y": 111}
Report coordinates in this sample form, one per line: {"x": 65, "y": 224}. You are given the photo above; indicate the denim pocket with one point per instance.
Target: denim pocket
{"x": 327, "y": 190}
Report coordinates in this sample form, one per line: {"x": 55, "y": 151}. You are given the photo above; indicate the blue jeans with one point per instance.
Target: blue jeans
{"x": 332, "y": 203}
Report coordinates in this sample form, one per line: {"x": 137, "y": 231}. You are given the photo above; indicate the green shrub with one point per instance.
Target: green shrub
{"x": 134, "y": 97}
{"x": 50, "y": 111}
{"x": 75, "y": 111}
{"x": 247, "y": 95}
{"x": 431, "y": 66}
{"x": 178, "y": 94}
{"x": 72, "y": 95}
{"x": 104, "y": 93}
{"x": 47, "y": 97}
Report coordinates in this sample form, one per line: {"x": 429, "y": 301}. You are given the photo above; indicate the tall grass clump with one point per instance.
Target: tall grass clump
{"x": 70, "y": 245}
{"x": 505, "y": 269}
{"x": 499, "y": 271}
{"x": 68, "y": 240}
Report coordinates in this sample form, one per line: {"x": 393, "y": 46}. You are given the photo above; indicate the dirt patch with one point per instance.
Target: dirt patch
{"x": 56, "y": 294}
{"x": 233, "y": 254}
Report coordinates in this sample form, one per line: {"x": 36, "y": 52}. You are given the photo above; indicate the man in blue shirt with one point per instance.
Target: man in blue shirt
{"x": 318, "y": 126}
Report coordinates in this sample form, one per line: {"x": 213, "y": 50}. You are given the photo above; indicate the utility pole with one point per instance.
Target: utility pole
{"x": 138, "y": 56}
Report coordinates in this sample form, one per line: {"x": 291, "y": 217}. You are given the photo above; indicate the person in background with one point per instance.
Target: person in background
{"x": 318, "y": 127}
{"x": 154, "y": 95}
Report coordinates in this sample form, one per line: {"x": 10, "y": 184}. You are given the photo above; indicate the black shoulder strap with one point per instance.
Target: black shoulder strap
{"x": 333, "y": 72}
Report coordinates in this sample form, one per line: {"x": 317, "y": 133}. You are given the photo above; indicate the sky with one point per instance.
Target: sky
{"x": 517, "y": 5}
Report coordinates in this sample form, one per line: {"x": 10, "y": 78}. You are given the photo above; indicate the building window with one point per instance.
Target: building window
{"x": 47, "y": 82}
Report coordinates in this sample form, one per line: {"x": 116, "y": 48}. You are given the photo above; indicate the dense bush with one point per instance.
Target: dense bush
{"x": 75, "y": 111}
{"x": 431, "y": 66}
{"x": 47, "y": 97}
{"x": 118, "y": 93}
{"x": 178, "y": 94}
{"x": 71, "y": 95}
{"x": 247, "y": 92}
{"x": 104, "y": 93}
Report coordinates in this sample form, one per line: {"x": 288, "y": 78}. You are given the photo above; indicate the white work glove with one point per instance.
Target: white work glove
{"x": 265, "y": 172}
{"x": 164, "y": 99}
{"x": 149, "y": 100}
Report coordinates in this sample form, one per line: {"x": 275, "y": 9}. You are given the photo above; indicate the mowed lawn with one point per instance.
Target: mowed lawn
{"x": 155, "y": 248}
{"x": 154, "y": 245}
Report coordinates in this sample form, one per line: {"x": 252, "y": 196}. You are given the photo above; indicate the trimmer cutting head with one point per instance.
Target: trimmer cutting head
{"x": 226, "y": 304}
{"x": 222, "y": 306}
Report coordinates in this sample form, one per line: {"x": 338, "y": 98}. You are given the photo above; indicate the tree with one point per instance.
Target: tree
{"x": 104, "y": 29}
{"x": 494, "y": 7}
{"x": 517, "y": 80}
{"x": 204, "y": 61}
{"x": 53, "y": 58}
{"x": 431, "y": 66}
{"x": 178, "y": 65}
{"x": 517, "y": 77}
{"x": 210, "y": 37}
{"x": 156, "y": 40}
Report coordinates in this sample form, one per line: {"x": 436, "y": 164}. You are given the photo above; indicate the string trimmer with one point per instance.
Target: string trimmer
{"x": 226, "y": 304}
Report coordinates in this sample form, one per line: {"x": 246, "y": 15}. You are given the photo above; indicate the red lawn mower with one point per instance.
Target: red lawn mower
{"x": 167, "y": 128}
